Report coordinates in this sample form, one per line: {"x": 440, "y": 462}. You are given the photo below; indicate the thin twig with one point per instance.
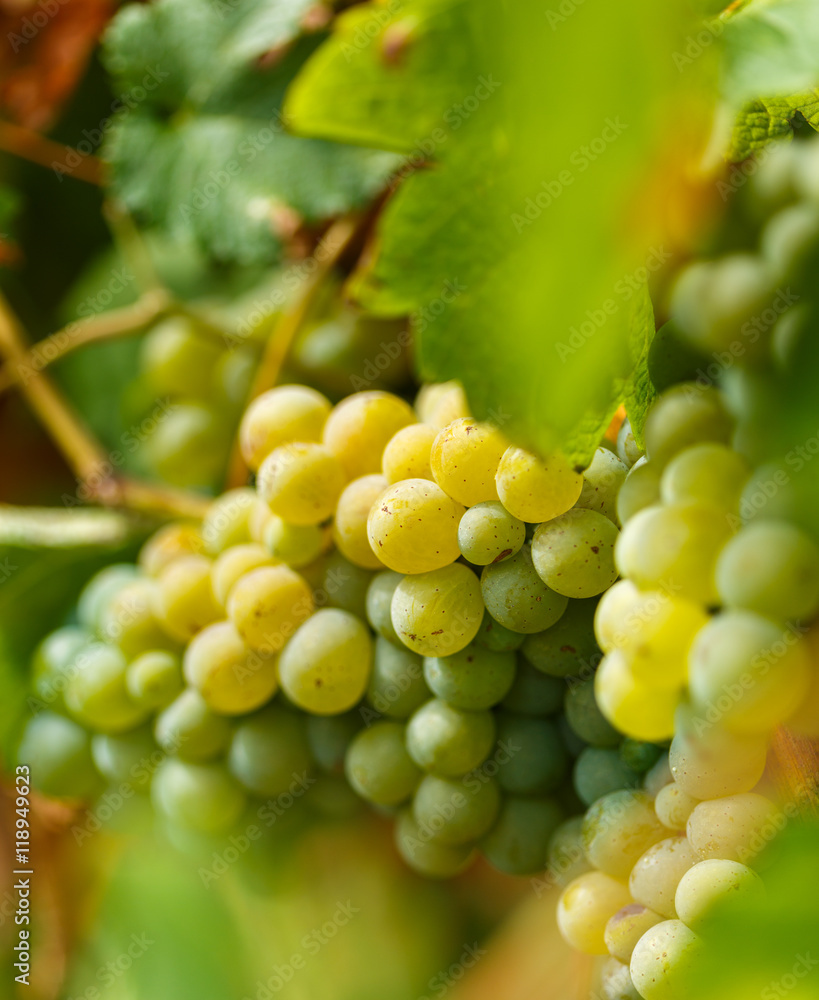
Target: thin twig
{"x": 35, "y": 148}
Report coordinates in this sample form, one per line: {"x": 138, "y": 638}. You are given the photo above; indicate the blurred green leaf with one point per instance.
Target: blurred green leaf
{"x": 768, "y": 119}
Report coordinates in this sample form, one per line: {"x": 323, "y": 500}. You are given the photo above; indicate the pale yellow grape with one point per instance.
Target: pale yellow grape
{"x": 258, "y": 519}
{"x": 674, "y": 546}
{"x": 626, "y": 927}
{"x": 234, "y": 563}
{"x": 301, "y": 482}
{"x": 574, "y": 553}
{"x": 325, "y": 667}
{"x": 184, "y": 601}
{"x": 585, "y": 907}
{"x": 602, "y": 482}
{"x": 350, "y": 525}
{"x": 295, "y": 544}
{"x": 657, "y": 634}
{"x": 281, "y": 415}
{"x": 664, "y": 962}
{"x": 359, "y": 428}
{"x": 413, "y": 527}
{"x": 231, "y": 678}
{"x": 711, "y": 472}
{"x": 441, "y": 403}
{"x": 637, "y": 710}
{"x": 640, "y": 490}
{"x": 735, "y": 828}
{"x": 97, "y": 694}
{"x": 657, "y": 873}
{"x": 673, "y": 806}
{"x": 438, "y": 613}
{"x": 536, "y": 490}
{"x": 684, "y": 415}
{"x": 716, "y": 882}
{"x": 167, "y": 544}
{"x": 268, "y": 604}
{"x": 612, "y": 617}
{"x": 408, "y": 452}
{"x": 464, "y": 459}
{"x": 618, "y": 828}
{"x": 128, "y": 620}
{"x": 226, "y": 522}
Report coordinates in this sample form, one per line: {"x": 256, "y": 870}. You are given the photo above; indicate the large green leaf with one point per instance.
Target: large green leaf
{"x": 766, "y": 119}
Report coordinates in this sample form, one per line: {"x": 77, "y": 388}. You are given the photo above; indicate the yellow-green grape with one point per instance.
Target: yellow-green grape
{"x": 618, "y": 829}
{"x": 226, "y": 522}
{"x": 407, "y": 455}
{"x": 258, "y": 519}
{"x": 627, "y": 449}
{"x": 574, "y": 553}
{"x": 379, "y": 603}
{"x": 567, "y": 859}
{"x": 733, "y": 828}
{"x": 613, "y": 612}
{"x": 233, "y": 375}
{"x": 96, "y": 693}
{"x": 295, "y": 544}
{"x": 58, "y": 753}
{"x": 599, "y": 771}
{"x": 658, "y": 776}
{"x": 128, "y": 621}
{"x": 344, "y": 585}
{"x": 637, "y": 710}
{"x": 664, "y": 961}
{"x": 280, "y": 416}
{"x": 517, "y": 597}
{"x": 231, "y": 678}
{"x": 674, "y": 545}
{"x": 673, "y": 806}
{"x": 233, "y": 563}
{"x": 615, "y": 982}
{"x": 413, "y": 527}
{"x": 154, "y": 679}
{"x": 184, "y": 601}
{"x": 464, "y": 459}
{"x": 585, "y": 719}
{"x": 518, "y": 842}
{"x": 325, "y": 667}
{"x": 536, "y": 490}
{"x": 449, "y": 741}
{"x": 177, "y": 359}
{"x": 378, "y": 766}
{"x": 747, "y": 671}
{"x": 189, "y": 728}
{"x": 328, "y": 737}
{"x": 350, "y": 525}
{"x": 709, "y": 472}
{"x": 641, "y": 489}
{"x": 270, "y": 754}
{"x": 657, "y": 873}
{"x": 267, "y": 605}
{"x": 397, "y": 686}
{"x": 189, "y": 445}
{"x": 626, "y": 927}
{"x": 100, "y": 590}
{"x": 126, "y": 758}
{"x": 359, "y": 427}
{"x": 301, "y": 482}
{"x": 601, "y": 483}
{"x": 53, "y": 659}
{"x": 426, "y": 856}
{"x": 200, "y": 797}
{"x": 169, "y": 543}
{"x": 438, "y": 613}
{"x": 716, "y": 883}
{"x": 684, "y": 415}
{"x": 456, "y": 810}
{"x": 487, "y": 533}
{"x": 473, "y": 678}
{"x": 585, "y": 908}
{"x": 441, "y": 403}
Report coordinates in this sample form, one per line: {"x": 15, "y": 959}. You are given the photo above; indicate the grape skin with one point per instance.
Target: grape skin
{"x": 407, "y": 455}
{"x": 360, "y": 427}
{"x": 447, "y": 741}
{"x": 574, "y": 553}
{"x": 534, "y": 490}
{"x": 517, "y": 597}
{"x": 378, "y": 766}
{"x": 301, "y": 482}
{"x": 464, "y": 459}
{"x": 438, "y": 613}
{"x": 230, "y": 677}
{"x": 487, "y": 533}
{"x": 350, "y": 525}
{"x": 472, "y": 678}
{"x": 280, "y": 416}
{"x": 267, "y": 605}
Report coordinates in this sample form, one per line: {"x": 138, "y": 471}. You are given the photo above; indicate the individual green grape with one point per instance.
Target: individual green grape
{"x": 233, "y": 563}
{"x": 295, "y": 544}
{"x": 189, "y": 445}
{"x": 58, "y": 754}
{"x": 178, "y": 359}
{"x": 567, "y": 647}
{"x": 345, "y": 585}
{"x": 749, "y": 671}
{"x": 711, "y": 888}
{"x": 684, "y": 415}
{"x": 496, "y": 637}
{"x": 788, "y": 238}
{"x": 267, "y": 605}
{"x": 199, "y": 797}
{"x": 641, "y": 489}
{"x": 657, "y": 873}
{"x": 359, "y": 428}
{"x": 566, "y": 857}
{"x": 154, "y": 679}
{"x": 642, "y": 712}
{"x": 455, "y": 811}
{"x": 517, "y": 597}
{"x": 379, "y": 603}
{"x": 407, "y": 455}
{"x": 487, "y": 533}
{"x": 674, "y": 543}
{"x": 601, "y": 483}
{"x": 279, "y": 417}
{"x": 518, "y": 842}
{"x": 325, "y": 667}
{"x": 96, "y": 694}
{"x": 616, "y": 982}
{"x": 626, "y": 927}
{"x": 438, "y": 613}
{"x": 351, "y": 521}
{"x": 99, "y": 590}
{"x": 733, "y": 828}
{"x": 664, "y": 962}
{"x": 128, "y": 620}
{"x": 574, "y": 553}
{"x": 269, "y": 753}
{"x": 190, "y": 729}
{"x": 639, "y": 755}
{"x": 378, "y": 766}
{"x": 226, "y": 522}
{"x": 585, "y": 908}
{"x": 770, "y": 567}
{"x": 627, "y": 449}
{"x": 52, "y": 661}
{"x": 184, "y": 601}
{"x": 585, "y": 718}
{"x": 397, "y": 686}
{"x": 413, "y": 527}
{"x": 331, "y": 798}
{"x": 473, "y": 678}
{"x": 464, "y": 459}
{"x": 710, "y": 473}
{"x": 441, "y": 403}
{"x": 328, "y": 737}
{"x": 168, "y": 543}
{"x": 599, "y": 771}
{"x": 231, "y": 678}
{"x": 618, "y": 829}
{"x": 128, "y": 758}
{"x": 573, "y": 743}
{"x": 301, "y": 482}
{"x": 426, "y": 856}
{"x": 233, "y": 376}
{"x": 535, "y": 490}
{"x": 613, "y": 611}
{"x": 673, "y": 806}
{"x": 539, "y": 763}
{"x": 534, "y": 693}
{"x": 447, "y": 741}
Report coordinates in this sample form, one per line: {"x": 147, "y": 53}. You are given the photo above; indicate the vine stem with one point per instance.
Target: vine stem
{"x": 32, "y": 146}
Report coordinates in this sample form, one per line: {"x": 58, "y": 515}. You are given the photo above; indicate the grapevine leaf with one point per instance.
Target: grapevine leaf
{"x": 767, "y": 119}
